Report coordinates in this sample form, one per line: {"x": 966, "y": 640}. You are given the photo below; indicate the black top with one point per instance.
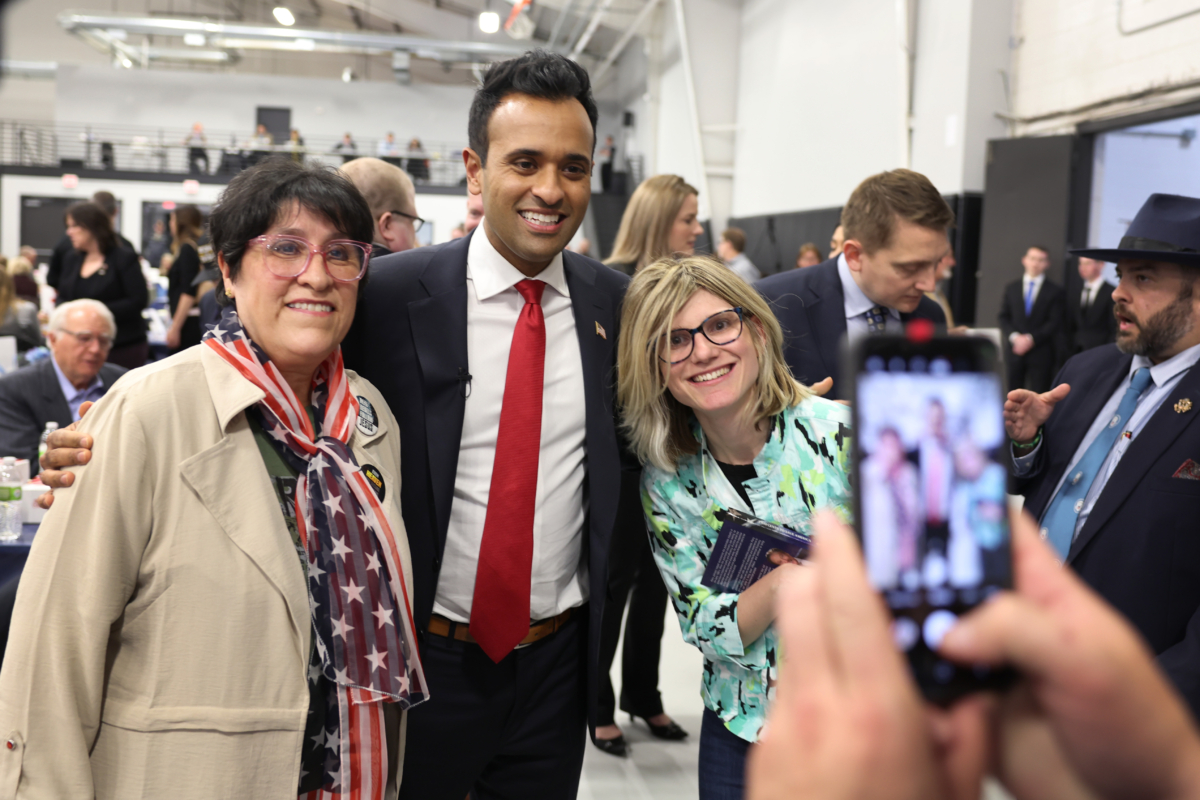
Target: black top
{"x": 179, "y": 278}
{"x": 63, "y": 248}
{"x": 737, "y": 474}
{"x": 119, "y": 285}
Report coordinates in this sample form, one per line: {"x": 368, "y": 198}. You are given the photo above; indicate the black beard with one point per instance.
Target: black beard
{"x": 1160, "y": 332}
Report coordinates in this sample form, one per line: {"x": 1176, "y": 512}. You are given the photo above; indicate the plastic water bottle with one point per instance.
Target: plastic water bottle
{"x": 51, "y": 427}
{"x": 10, "y": 501}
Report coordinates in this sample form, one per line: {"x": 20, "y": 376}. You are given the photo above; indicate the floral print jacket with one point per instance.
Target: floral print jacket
{"x": 804, "y": 466}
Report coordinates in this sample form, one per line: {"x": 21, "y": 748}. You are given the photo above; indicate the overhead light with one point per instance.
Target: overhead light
{"x": 194, "y": 39}
{"x": 306, "y": 44}
{"x": 283, "y": 15}
{"x": 347, "y": 75}
{"x": 489, "y": 21}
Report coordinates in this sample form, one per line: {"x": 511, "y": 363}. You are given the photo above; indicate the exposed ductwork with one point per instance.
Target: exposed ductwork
{"x": 108, "y": 32}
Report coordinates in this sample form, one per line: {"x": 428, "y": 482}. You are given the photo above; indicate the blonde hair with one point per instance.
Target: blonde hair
{"x": 8, "y": 293}
{"x": 656, "y": 424}
{"x": 20, "y": 266}
{"x": 646, "y": 225}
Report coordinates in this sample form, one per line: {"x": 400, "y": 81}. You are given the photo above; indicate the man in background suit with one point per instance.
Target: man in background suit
{"x": 1109, "y": 459}
{"x": 433, "y": 332}
{"x": 1092, "y": 320}
{"x": 1032, "y": 321}
{"x": 895, "y": 225}
{"x": 51, "y": 390}
{"x": 393, "y": 201}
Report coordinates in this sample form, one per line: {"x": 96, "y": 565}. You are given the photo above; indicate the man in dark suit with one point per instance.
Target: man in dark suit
{"x": 389, "y": 192}
{"x": 51, "y": 390}
{"x": 1091, "y": 314}
{"x": 1032, "y": 323}
{"x": 895, "y": 226}
{"x": 1109, "y": 459}
{"x": 433, "y": 332}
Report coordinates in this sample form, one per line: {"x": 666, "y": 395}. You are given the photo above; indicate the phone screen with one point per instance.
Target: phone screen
{"x": 932, "y": 499}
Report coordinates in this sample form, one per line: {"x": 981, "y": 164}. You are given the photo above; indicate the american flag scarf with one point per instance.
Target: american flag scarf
{"x": 362, "y": 620}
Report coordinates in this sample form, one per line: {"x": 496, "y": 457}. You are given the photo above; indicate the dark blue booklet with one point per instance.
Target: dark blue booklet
{"x": 748, "y": 548}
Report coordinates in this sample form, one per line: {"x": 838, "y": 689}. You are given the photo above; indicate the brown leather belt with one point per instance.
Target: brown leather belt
{"x": 440, "y": 626}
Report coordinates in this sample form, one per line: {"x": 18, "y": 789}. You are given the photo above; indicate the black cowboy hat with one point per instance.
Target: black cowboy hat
{"x": 1166, "y": 228}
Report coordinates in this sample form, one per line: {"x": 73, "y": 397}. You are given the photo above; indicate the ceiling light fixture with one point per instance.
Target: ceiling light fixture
{"x": 194, "y": 39}
{"x": 284, "y": 16}
{"x": 489, "y": 21}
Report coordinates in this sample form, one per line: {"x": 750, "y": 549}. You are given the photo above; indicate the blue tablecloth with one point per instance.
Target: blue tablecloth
{"x": 13, "y": 554}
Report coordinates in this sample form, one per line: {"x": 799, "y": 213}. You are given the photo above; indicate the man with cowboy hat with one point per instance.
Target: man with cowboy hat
{"x": 1109, "y": 458}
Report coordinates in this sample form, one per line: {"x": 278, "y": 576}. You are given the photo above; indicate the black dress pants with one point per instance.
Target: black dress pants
{"x": 632, "y": 575}
{"x": 1033, "y": 371}
{"x": 511, "y": 731}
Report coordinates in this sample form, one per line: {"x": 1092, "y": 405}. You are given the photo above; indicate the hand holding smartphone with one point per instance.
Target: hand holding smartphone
{"x": 931, "y": 500}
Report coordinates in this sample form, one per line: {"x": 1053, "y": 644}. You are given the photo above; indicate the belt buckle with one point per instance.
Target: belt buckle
{"x": 523, "y": 645}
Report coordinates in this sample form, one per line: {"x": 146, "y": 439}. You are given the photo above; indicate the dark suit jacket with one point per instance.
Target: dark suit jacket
{"x": 31, "y": 397}
{"x": 121, "y": 287}
{"x": 1140, "y": 546}
{"x": 1096, "y": 325}
{"x": 1046, "y": 321}
{"x": 409, "y": 338}
{"x": 811, "y": 307}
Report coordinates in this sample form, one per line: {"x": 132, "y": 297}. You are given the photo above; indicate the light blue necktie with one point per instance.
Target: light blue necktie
{"x": 1058, "y": 523}
{"x": 1029, "y": 299}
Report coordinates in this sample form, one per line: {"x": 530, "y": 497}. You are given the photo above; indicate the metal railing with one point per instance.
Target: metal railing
{"x": 130, "y": 148}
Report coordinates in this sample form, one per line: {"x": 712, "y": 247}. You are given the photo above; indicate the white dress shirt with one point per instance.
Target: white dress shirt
{"x": 559, "y": 576}
{"x": 1090, "y": 288}
{"x": 858, "y": 304}
{"x": 1163, "y": 378}
{"x": 1037, "y": 287}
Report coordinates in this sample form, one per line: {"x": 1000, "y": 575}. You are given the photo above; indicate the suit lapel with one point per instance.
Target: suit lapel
{"x": 439, "y": 335}
{"x": 594, "y": 325}
{"x": 56, "y": 406}
{"x": 1162, "y": 430}
{"x": 825, "y": 305}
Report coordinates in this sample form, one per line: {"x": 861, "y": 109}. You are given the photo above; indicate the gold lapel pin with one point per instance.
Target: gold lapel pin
{"x": 1183, "y": 406}
{"x": 600, "y": 332}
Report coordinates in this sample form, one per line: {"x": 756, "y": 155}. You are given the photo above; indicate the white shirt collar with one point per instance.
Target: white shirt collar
{"x": 1035, "y": 281}
{"x": 856, "y": 302}
{"x": 1092, "y": 286}
{"x": 492, "y": 274}
{"x": 1161, "y": 373}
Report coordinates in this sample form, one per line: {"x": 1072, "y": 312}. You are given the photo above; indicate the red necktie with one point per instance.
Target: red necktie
{"x": 500, "y": 606}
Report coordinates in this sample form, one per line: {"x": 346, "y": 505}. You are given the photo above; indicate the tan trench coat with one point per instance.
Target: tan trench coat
{"x": 161, "y": 634}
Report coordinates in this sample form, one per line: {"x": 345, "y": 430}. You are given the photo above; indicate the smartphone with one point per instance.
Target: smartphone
{"x": 931, "y": 500}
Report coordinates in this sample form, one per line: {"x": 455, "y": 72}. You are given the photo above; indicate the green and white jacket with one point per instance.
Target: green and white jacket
{"x": 804, "y": 466}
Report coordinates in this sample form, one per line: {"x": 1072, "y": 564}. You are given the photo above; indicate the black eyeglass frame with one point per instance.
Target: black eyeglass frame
{"x": 700, "y": 329}
{"x": 417, "y": 221}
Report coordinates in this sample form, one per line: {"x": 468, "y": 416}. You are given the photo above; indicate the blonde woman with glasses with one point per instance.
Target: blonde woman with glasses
{"x": 712, "y": 411}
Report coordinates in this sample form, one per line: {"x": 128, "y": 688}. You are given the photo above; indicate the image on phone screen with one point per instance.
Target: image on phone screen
{"x": 932, "y": 499}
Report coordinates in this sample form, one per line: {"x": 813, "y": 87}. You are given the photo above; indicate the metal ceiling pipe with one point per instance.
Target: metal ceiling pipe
{"x": 358, "y": 40}
{"x": 591, "y": 29}
{"x": 28, "y": 69}
{"x": 619, "y": 47}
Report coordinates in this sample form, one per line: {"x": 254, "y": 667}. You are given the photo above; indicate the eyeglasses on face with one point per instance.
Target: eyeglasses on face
{"x": 416, "y": 221}
{"x": 289, "y": 256}
{"x": 85, "y": 338}
{"x": 721, "y": 328}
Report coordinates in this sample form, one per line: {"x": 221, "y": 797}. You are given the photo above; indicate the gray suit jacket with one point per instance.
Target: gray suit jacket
{"x": 31, "y": 397}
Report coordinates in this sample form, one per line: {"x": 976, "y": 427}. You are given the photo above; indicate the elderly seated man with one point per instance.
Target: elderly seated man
{"x": 51, "y": 390}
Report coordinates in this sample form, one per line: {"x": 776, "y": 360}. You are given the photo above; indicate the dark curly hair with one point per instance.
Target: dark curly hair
{"x": 254, "y": 200}
{"x": 550, "y": 76}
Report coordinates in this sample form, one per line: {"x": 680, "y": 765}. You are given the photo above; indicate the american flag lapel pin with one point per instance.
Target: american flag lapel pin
{"x": 600, "y": 332}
